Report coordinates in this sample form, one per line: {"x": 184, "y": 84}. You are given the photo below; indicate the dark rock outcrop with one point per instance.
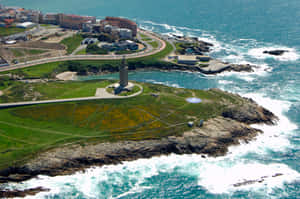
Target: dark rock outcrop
{"x": 21, "y": 193}
{"x": 250, "y": 113}
{"x": 241, "y": 67}
{"x": 275, "y": 52}
{"x": 203, "y": 69}
{"x": 212, "y": 139}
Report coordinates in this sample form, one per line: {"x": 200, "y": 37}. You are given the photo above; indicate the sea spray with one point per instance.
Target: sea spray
{"x": 221, "y": 175}
{"x": 257, "y": 157}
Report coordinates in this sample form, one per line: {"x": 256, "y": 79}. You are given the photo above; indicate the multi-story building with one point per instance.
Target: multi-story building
{"x": 34, "y": 16}
{"x": 120, "y": 23}
{"x": 74, "y": 21}
{"x": 125, "y": 33}
{"x": 50, "y": 18}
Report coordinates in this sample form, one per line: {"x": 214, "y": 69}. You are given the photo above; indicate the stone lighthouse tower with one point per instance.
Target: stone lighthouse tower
{"x": 123, "y": 74}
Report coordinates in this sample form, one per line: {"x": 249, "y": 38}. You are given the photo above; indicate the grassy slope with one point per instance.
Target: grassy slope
{"x": 25, "y": 131}
{"x": 22, "y": 52}
{"x": 37, "y": 71}
{"x": 72, "y": 42}
{"x": 17, "y": 91}
{"x": 154, "y": 44}
{"x": 81, "y": 52}
{"x": 143, "y": 35}
{"x": 9, "y": 31}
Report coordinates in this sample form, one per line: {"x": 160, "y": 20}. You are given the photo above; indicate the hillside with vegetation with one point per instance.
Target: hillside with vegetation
{"x": 28, "y": 131}
{"x": 49, "y": 70}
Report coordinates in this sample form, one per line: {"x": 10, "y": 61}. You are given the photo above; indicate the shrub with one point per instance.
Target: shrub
{"x": 106, "y": 37}
{"x": 96, "y": 50}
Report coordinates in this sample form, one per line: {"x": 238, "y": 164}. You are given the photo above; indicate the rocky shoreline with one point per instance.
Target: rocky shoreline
{"x": 212, "y": 139}
{"x": 177, "y": 67}
{"x": 213, "y": 68}
{"x": 194, "y": 46}
{"x": 21, "y": 193}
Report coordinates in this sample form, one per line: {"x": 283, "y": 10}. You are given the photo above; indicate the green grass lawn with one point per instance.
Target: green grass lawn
{"x": 48, "y": 26}
{"x": 18, "y": 52}
{"x": 9, "y": 31}
{"x": 154, "y": 44}
{"x": 27, "y": 131}
{"x": 158, "y": 56}
{"x": 81, "y": 52}
{"x": 34, "y": 51}
{"x": 37, "y": 71}
{"x": 72, "y": 42}
{"x": 142, "y": 35}
{"x": 17, "y": 91}
{"x": 146, "y": 39}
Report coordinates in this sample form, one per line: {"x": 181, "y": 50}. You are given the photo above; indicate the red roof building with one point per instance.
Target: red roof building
{"x": 121, "y": 23}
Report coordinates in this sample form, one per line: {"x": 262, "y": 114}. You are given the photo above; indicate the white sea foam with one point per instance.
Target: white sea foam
{"x": 225, "y": 82}
{"x": 218, "y": 175}
{"x": 275, "y": 137}
{"x": 221, "y": 177}
{"x": 262, "y": 70}
{"x": 164, "y": 83}
{"x": 236, "y": 51}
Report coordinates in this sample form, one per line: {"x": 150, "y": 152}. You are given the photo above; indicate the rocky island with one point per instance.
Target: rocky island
{"x": 52, "y": 127}
{"x": 275, "y": 52}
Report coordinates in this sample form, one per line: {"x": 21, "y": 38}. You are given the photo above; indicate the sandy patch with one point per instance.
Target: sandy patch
{"x": 141, "y": 46}
{"x": 66, "y": 76}
{"x": 1, "y": 93}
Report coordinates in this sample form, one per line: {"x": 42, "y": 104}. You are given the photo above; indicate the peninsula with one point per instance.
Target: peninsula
{"x": 54, "y": 127}
{"x": 66, "y": 137}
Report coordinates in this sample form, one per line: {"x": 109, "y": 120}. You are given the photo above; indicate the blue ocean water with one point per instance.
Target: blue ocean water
{"x": 240, "y": 31}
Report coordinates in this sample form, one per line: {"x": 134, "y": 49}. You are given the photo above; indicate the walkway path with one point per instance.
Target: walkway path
{"x": 100, "y": 94}
{"x": 81, "y": 47}
{"x": 90, "y": 57}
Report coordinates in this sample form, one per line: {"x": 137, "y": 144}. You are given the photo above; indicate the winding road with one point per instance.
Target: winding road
{"x": 149, "y": 51}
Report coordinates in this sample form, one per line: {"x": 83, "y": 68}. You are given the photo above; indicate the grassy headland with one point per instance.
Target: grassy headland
{"x": 72, "y": 42}
{"x": 27, "y": 131}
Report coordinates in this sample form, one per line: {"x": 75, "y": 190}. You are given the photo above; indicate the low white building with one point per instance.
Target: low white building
{"x": 25, "y": 25}
{"x": 204, "y": 58}
{"x": 187, "y": 59}
{"x": 10, "y": 42}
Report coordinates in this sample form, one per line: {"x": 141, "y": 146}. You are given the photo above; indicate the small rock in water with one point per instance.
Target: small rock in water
{"x": 275, "y": 52}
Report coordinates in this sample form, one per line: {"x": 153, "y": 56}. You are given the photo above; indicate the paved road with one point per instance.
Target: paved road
{"x": 90, "y": 57}
{"x": 101, "y": 94}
